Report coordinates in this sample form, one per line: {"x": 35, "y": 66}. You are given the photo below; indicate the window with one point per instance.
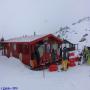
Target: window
{"x": 55, "y": 46}
{"x": 14, "y": 46}
{"x": 41, "y": 50}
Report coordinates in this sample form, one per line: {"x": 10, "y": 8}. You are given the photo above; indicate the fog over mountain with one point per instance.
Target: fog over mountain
{"x": 23, "y": 17}
{"x": 78, "y": 32}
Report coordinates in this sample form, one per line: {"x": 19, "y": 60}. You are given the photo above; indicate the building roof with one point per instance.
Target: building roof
{"x": 30, "y": 38}
{"x": 24, "y": 38}
{"x": 67, "y": 41}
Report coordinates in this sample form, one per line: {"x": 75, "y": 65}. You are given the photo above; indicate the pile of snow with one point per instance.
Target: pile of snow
{"x": 0, "y": 52}
{"x": 14, "y": 74}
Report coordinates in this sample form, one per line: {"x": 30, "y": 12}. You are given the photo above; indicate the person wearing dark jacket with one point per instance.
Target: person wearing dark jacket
{"x": 60, "y": 52}
{"x": 37, "y": 55}
{"x": 53, "y": 56}
{"x": 64, "y": 59}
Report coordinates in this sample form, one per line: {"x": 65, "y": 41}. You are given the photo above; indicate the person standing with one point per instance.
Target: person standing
{"x": 88, "y": 59}
{"x": 53, "y": 56}
{"x": 64, "y": 59}
{"x": 88, "y": 56}
{"x": 80, "y": 61}
{"x": 60, "y": 54}
{"x": 37, "y": 55}
{"x": 85, "y": 54}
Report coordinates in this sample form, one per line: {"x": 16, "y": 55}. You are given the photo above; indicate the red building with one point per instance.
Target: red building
{"x": 32, "y": 50}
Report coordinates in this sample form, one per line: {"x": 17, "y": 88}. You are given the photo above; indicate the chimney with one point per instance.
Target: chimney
{"x": 34, "y": 33}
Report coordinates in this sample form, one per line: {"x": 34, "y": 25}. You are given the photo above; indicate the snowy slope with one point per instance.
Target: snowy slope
{"x": 78, "y": 32}
{"x": 14, "y": 74}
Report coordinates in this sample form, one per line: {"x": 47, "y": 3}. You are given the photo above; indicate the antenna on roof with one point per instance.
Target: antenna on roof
{"x": 34, "y": 33}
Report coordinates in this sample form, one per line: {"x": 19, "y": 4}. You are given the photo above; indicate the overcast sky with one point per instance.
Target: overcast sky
{"x": 23, "y": 17}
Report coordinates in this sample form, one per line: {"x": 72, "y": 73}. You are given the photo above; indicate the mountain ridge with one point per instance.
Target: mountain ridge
{"x": 78, "y": 32}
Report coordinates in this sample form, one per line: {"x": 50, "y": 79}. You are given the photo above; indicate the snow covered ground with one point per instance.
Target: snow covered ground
{"x": 15, "y": 74}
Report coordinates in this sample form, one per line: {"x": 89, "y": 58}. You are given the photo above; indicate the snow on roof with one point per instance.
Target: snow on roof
{"x": 25, "y": 38}
{"x": 28, "y": 38}
{"x": 70, "y": 41}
